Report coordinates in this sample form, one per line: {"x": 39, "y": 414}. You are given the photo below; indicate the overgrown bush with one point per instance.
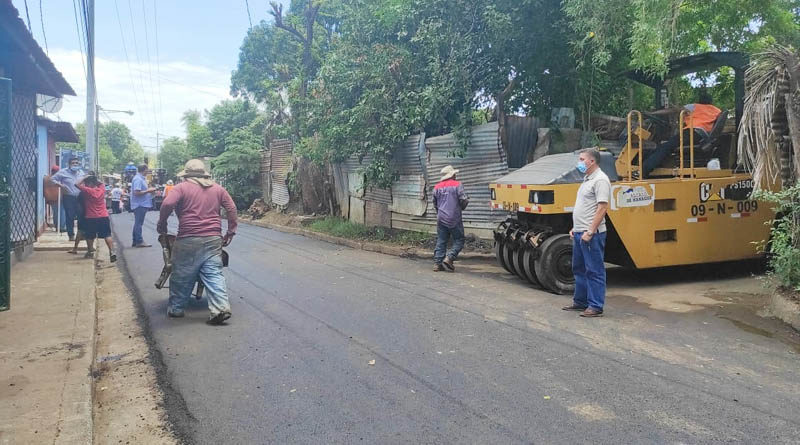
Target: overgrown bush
{"x": 783, "y": 248}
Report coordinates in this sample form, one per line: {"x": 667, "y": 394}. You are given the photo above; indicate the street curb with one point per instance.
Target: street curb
{"x": 404, "y": 252}
{"x": 785, "y": 308}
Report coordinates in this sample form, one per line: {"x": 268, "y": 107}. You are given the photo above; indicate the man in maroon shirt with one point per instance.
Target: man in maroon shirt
{"x": 198, "y": 249}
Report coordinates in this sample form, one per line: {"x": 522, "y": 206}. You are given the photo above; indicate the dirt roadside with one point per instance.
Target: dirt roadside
{"x": 128, "y": 404}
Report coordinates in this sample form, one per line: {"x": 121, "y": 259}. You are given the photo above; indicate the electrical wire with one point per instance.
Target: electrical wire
{"x": 158, "y": 64}
{"x": 127, "y": 58}
{"x": 249, "y": 19}
{"x": 149, "y": 66}
{"x": 80, "y": 39}
{"x": 28, "y": 16}
{"x": 136, "y": 50}
{"x": 41, "y": 18}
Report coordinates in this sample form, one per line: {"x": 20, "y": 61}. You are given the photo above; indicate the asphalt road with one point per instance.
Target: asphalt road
{"x": 471, "y": 357}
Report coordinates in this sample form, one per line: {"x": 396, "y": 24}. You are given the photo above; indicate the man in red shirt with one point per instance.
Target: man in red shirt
{"x": 197, "y": 252}
{"x": 96, "y": 223}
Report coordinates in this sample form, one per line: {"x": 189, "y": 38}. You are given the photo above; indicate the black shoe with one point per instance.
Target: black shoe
{"x": 112, "y": 258}
{"x": 438, "y": 268}
{"x": 218, "y": 319}
{"x": 448, "y": 263}
{"x": 176, "y": 314}
{"x": 573, "y": 307}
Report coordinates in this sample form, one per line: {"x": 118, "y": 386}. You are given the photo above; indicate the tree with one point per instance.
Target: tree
{"x": 116, "y": 135}
{"x": 173, "y": 155}
{"x": 652, "y": 32}
{"x": 238, "y": 168}
{"x": 225, "y": 117}
{"x": 198, "y": 138}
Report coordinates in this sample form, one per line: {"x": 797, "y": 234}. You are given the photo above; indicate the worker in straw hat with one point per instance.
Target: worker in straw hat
{"x": 449, "y": 200}
{"x": 197, "y": 252}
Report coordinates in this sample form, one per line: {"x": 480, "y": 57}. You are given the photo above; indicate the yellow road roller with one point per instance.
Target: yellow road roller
{"x": 696, "y": 207}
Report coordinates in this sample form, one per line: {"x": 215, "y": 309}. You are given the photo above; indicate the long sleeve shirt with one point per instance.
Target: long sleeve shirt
{"x": 449, "y": 199}
{"x": 198, "y": 210}
{"x": 68, "y": 178}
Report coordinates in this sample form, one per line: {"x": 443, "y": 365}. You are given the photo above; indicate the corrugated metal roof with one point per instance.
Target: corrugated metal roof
{"x": 27, "y": 64}
{"x": 410, "y": 158}
{"x": 281, "y": 164}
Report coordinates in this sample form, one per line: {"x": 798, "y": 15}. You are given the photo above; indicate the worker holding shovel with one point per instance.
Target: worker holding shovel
{"x": 197, "y": 252}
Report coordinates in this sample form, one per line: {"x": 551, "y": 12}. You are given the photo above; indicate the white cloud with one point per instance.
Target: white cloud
{"x": 184, "y": 86}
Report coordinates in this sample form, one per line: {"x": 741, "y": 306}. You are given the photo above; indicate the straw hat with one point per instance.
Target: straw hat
{"x": 194, "y": 168}
{"x": 448, "y": 172}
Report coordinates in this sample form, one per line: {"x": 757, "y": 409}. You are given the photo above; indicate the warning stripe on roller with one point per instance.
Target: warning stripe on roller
{"x": 496, "y": 206}
{"x": 740, "y": 215}
{"x": 696, "y": 220}
{"x": 534, "y": 209}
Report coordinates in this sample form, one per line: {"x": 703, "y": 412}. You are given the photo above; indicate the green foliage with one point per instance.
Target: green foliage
{"x": 117, "y": 145}
{"x": 343, "y": 228}
{"x": 173, "y": 155}
{"x": 651, "y": 32}
{"x": 238, "y": 167}
{"x": 784, "y": 245}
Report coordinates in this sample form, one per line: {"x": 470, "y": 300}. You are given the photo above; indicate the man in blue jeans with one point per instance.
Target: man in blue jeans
{"x": 449, "y": 200}
{"x": 141, "y": 203}
{"x": 589, "y": 236}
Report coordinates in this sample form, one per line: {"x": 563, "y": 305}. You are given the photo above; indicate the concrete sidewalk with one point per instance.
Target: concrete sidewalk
{"x": 47, "y": 349}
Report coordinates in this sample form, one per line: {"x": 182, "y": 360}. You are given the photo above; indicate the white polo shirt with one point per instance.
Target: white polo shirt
{"x": 596, "y": 188}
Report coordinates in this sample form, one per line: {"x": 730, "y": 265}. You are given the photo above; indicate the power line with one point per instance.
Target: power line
{"x": 28, "y": 16}
{"x": 41, "y": 18}
{"x": 136, "y": 50}
{"x": 249, "y": 19}
{"x": 127, "y": 58}
{"x": 149, "y": 66}
{"x": 158, "y": 63}
{"x": 80, "y": 39}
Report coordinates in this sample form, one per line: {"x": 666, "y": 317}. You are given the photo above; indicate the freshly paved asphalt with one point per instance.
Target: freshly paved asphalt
{"x": 470, "y": 357}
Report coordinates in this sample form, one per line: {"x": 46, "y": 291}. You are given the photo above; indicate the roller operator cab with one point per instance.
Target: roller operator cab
{"x": 683, "y": 213}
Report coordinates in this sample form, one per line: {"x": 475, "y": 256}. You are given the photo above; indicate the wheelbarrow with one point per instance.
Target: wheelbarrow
{"x": 167, "y": 241}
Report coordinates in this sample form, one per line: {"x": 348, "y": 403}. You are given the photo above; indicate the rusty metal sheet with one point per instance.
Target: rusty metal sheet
{"x": 281, "y": 165}
{"x": 375, "y": 194}
{"x": 408, "y": 195}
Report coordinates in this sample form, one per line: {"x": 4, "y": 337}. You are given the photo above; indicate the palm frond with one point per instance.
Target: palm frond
{"x": 757, "y": 149}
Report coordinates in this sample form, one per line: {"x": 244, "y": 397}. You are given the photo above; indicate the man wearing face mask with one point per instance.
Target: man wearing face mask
{"x": 589, "y": 236}
{"x": 66, "y": 178}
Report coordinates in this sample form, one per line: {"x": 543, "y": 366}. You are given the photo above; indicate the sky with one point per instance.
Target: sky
{"x": 193, "y": 44}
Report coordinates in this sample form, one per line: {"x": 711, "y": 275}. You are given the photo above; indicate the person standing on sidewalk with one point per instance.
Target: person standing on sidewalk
{"x": 96, "y": 223}
{"x": 588, "y": 235}
{"x": 197, "y": 252}
{"x": 66, "y": 178}
{"x": 116, "y": 199}
{"x": 449, "y": 200}
{"x": 141, "y": 203}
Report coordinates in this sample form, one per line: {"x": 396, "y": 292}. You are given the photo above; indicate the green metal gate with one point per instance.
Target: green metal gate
{"x": 5, "y": 194}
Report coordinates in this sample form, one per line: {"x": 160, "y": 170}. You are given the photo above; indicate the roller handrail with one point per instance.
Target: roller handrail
{"x": 691, "y": 141}
{"x": 630, "y": 146}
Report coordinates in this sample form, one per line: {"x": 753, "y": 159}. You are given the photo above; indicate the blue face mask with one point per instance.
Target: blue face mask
{"x": 75, "y": 168}
{"x": 581, "y": 167}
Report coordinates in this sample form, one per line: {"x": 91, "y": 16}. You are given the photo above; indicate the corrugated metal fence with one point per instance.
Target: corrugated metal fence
{"x": 417, "y": 165}
{"x": 280, "y": 165}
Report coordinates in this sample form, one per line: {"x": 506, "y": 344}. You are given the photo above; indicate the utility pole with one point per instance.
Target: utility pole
{"x": 91, "y": 92}
{"x": 158, "y": 154}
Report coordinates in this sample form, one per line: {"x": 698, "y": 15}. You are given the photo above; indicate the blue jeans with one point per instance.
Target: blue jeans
{"x": 70, "y": 205}
{"x": 196, "y": 257}
{"x": 589, "y": 270}
{"x": 138, "y": 221}
{"x": 443, "y": 235}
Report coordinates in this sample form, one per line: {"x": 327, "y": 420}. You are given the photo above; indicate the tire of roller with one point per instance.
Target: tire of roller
{"x": 529, "y": 265}
{"x": 500, "y": 255}
{"x": 551, "y": 267}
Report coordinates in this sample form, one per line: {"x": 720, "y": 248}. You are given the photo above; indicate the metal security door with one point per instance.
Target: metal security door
{"x": 5, "y": 194}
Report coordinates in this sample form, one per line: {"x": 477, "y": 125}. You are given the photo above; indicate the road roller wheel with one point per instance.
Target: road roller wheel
{"x": 529, "y": 266}
{"x": 500, "y": 255}
{"x": 516, "y": 260}
{"x": 508, "y": 258}
{"x": 554, "y": 265}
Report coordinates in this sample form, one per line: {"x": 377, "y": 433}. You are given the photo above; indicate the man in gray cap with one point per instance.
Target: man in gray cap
{"x": 197, "y": 252}
{"x": 449, "y": 200}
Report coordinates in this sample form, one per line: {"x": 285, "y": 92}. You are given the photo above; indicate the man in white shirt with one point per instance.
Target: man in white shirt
{"x": 116, "y": 199}
{"x": 589, "y": 236}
